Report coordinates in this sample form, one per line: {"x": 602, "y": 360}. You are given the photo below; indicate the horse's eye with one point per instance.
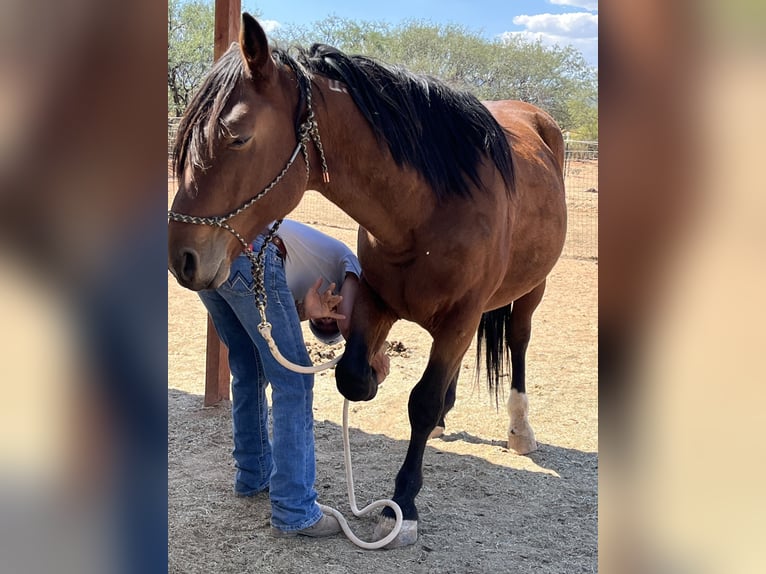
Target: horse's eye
{"x": 239, "y": 142}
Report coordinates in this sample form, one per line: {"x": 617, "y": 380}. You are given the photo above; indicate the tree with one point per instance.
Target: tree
{"x": 550, "y": 77}
{"x": 190, "y": 49}
{"x": 583, "y": 109}
{"x": 553, "y": 78}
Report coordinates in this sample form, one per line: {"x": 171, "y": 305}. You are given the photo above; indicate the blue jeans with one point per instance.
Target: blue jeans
{"x": 286, "y": 465}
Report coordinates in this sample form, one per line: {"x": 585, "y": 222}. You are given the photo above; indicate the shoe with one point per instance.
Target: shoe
{"x": 325, "y": 526}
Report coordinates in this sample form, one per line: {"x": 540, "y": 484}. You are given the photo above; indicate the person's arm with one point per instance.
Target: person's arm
{"x": 348, "y": 293}
{"x": 380, "y": 361}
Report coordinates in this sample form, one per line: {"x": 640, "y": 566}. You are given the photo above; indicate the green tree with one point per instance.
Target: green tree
{"x": 347, "y": 35}
{"x": 546, "y": 76}
{"x": 190, "y": 49}
{"x": 583, "y": 109}
{"x": 556, "y": 79}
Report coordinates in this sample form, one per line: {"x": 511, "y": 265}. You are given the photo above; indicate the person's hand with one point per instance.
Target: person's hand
{"x": 382, "y": 364}
{"x": 318, "y": 305}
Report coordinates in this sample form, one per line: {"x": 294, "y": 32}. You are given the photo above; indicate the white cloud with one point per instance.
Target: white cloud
{"x": 571, "y": 25}
{"x": 576, "y": 29}
{"x": 269, "y": 25}
{"x": 591, "y": 5}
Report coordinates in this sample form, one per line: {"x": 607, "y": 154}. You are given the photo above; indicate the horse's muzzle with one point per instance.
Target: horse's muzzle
{"x": 192, "y": 274}
{"x": 186, "y": 267}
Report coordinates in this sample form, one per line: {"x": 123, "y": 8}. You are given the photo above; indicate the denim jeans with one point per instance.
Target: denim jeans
{"x": 286, "y": 464}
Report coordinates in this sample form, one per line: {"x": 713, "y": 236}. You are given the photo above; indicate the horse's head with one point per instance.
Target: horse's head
{"x": 237, "y": 138}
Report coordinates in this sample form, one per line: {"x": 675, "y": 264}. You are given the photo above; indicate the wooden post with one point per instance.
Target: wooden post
{"x": 217, "y": 375}
{"x": 228, "y": 14}
{"x": 216, "y": 367}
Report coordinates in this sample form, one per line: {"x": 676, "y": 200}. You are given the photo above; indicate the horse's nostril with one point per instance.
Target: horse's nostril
{"x": 188, "y": 267}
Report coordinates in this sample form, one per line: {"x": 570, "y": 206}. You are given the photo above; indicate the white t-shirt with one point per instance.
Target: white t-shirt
{"x": 312, "y": 254}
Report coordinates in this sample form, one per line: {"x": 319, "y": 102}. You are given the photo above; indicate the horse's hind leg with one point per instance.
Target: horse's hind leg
{"x": 521, "y": 438}
{"x": 449, "y": 402}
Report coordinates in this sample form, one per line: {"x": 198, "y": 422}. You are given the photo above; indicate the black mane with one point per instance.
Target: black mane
{"x": 440, "y": 132}
{"x": 427, "y": 125}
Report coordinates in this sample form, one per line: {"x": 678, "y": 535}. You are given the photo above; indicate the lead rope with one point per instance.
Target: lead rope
{"x": 352, "y": 500}
{"x": 258, "y": 269}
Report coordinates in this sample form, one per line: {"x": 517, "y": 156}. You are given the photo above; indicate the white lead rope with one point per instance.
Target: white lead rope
{"x": 265, "y": 331}
{"x": 352, "y": 500}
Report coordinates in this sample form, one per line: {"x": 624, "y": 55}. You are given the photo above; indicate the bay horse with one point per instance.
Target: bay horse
{"x": 460, "y": 206}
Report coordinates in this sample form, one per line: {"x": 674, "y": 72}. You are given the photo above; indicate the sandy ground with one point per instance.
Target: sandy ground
{"x": 482, "y": 508}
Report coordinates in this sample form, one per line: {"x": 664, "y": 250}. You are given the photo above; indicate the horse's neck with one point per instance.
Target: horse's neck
{"x": 365, "y": 182}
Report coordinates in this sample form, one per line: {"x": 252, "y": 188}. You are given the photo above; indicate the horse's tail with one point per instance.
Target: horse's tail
{"x": 493, "y": 337}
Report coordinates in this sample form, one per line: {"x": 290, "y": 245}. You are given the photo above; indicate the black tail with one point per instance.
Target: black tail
{"x": 493, "y": 335}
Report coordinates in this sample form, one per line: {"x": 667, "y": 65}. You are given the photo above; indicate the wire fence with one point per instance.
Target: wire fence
{"x": 580, "y": 177}
{"x": 581, "y": 184}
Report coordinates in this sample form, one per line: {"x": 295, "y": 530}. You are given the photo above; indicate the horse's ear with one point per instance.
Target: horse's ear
{"x": 254, "y": 48}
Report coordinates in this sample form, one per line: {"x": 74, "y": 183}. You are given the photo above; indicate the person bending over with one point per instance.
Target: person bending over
{"x": 302, "y": 268}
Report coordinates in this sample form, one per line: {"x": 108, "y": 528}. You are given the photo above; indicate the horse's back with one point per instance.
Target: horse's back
{"x": 521, "y": 118}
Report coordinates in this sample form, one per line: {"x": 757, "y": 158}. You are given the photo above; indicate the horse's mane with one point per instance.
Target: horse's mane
{"x": 440, "y": 132}
{"x": 196, "y": 130}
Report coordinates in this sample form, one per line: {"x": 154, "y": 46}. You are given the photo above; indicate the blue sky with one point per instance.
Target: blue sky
{"x": 562, "y": 22}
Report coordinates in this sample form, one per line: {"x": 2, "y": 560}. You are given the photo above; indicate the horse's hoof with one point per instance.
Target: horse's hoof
{"x": 407, "y": 536}
{"x": 522, "y": 442}
{"x": 436, "y": 433}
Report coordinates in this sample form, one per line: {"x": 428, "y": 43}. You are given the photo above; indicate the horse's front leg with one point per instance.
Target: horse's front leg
{"x": 369, "y": 324}
{"x": 426, "y": 405}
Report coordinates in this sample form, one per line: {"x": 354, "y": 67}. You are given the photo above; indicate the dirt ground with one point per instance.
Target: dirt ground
{"x": 482, "y": 508}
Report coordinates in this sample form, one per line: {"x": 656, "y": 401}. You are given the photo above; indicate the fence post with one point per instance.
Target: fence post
{"x": 227, "y": 18}
{"x": 216, "y": 367}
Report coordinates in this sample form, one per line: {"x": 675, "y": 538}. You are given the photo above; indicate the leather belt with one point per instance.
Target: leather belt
{"x": 280, "y": 245}
{"x": 277, "y": 241}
